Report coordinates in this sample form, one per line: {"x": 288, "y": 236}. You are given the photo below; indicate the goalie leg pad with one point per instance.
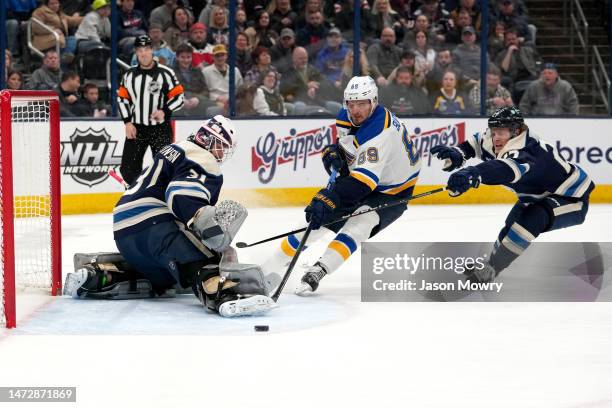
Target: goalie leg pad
{"x": 234, "y": 281}
{"x": 217, "y": 226}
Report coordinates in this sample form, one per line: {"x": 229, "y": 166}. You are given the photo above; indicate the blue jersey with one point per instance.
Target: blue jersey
{"x": 182, "y": 179}
{"x": 528, "y": 166}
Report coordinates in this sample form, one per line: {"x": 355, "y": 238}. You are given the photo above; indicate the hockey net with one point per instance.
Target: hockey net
{"x": 30, "y": 255}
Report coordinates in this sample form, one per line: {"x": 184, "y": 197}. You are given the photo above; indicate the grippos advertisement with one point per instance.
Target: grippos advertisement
{"x": 286, "y": 153}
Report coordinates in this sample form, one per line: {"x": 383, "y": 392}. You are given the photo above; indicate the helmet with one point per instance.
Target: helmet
{"x": 216, "y": 134}
{"x": 361, "y": 88}
{"x": 507, "y": 117}
{"x": 143, "y": 41}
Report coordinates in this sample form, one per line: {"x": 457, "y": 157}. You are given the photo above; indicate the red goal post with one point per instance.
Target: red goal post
{"x": 30, "y": 196}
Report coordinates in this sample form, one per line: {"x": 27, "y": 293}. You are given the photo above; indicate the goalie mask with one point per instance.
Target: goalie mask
{"x": 217, "y": 136}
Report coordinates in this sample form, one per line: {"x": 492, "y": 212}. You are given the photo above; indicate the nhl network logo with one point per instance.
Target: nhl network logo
{"x": 89, "y": 155}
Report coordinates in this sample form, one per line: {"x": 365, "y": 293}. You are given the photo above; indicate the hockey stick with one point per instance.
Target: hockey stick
{"x": 346, "y": 217}
{"x": 298, "y": 251}
{"x": 117, "y": 177}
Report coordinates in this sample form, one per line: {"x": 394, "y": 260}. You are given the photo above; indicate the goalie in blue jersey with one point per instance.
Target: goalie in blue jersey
{"x": 552, "y": 193}
{"x": 171, "y": 233}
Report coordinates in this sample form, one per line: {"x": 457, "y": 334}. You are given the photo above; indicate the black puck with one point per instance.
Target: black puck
{"x": 262, "y": 328}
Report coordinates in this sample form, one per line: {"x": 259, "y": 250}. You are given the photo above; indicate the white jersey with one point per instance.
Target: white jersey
{"x": 379, "y": 153}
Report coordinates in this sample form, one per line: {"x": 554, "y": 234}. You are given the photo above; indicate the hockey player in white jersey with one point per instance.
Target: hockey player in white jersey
{"x": 376, "y": 163}
{"x": 171, "y": 232}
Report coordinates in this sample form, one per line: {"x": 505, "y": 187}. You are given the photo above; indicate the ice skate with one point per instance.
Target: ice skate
{"x": 310, "y": 280}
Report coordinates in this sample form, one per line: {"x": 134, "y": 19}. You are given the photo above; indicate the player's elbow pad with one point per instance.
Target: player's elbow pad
{"x": 217, "y": 226}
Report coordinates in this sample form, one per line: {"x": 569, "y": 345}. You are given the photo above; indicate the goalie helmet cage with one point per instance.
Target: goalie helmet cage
{"x": 30, "y": 196}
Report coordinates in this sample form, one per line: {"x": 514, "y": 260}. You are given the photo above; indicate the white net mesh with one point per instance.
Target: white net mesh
{"x": 31, "y": 196}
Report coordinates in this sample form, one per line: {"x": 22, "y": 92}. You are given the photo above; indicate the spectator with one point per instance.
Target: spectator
{"x": 549, "y": 95}
{"x": 312, "y": 35}
{"x": 218, "y": 30}
{"x": 422, "y": 23}
{"x": 347, "y": 68}
{"x": 14, "y": 80}
{"x": 282, "y": 51}
{"x": 305, "y": 87}
{"x": 331, "y": 58}
{"x": 517, "y": 62}
{"x": 408, "y": 59}
{"x": 344, "y": 19}
{"x": 50, "y": 14}
{"x": 444, "y": 62}
{"x": 68, "y": 92}
{"x": 202, "y": 51}
{"x": 463, "y": 19}
{"x": 262, "y": 63}
{"x": 438, "y": 16}
{"x": 268, "y": 101}
{"x": 509, "y": 15}
{"x": 241, "y": 20}
{"x": 467, "y": 57}
{"x": 496, "y": 38}
{"x": 243, "y": 53}
{"x": 162, "y": 15}
{"x": 178, "y": 32}
{"x": 384, "y": 56}
{"x": 471, "y": 8}
{"x": 260, "y": 33}
{"x": 448, "y": 100}
{"x": 18, "y": 12}
{"x": 132, "y": 23}
{"x": 206, "y": 14}
{"x": 90, "y": 105}
{"x": 95, "y": 27}
{"x": 217, "y": 78}
{"x": 48, "y": 75}
{"x": 161, "y": 51}
{"x": 402, "y": 97}
{"x": 497, "y": 95}
{"x": 425, "y": 56}
{"x": 283, "y": 16}
{"x": 381, "y": 16}
{"x": 197, "y": 97}
{"x": 310, "y": 7}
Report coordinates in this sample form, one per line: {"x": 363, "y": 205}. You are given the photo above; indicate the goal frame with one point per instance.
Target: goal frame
{"x": 8, "y": 211}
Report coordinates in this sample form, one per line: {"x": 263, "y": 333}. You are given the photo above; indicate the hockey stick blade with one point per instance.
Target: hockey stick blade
{"x": 346, "y": 217}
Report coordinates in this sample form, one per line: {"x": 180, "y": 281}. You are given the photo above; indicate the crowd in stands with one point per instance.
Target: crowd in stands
{"x": 294, "y": 57}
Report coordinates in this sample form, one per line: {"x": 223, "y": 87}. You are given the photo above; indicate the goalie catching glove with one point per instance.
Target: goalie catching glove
{"x": 217, "y": 226}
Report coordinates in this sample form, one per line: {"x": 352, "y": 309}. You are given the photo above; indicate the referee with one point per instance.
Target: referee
{"x": 147, "y": 96}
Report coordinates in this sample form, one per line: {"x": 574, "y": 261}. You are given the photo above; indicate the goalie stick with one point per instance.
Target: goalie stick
{"x": 346, "y": 217}
{"x": 298, "y": 251}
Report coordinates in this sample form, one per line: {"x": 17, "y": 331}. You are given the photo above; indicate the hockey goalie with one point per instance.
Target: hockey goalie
{"x": 172, "y": 235}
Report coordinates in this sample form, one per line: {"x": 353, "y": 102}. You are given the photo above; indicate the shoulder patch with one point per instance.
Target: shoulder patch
{"x": 200, "y": 156}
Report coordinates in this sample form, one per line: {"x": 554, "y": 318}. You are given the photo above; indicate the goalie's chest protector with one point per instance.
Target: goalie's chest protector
{"x": 182, "y": 178}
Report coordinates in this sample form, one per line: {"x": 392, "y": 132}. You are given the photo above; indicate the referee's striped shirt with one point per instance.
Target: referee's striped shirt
{"x": 143, "y": 91}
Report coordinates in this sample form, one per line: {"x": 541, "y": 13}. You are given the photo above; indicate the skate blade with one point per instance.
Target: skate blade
{"x": 304, "y": 290}
{"x": 251, "y": 306}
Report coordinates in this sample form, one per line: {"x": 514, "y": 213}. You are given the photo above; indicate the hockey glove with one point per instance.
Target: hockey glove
{"x": 333, "y": 159}
{"x": 453, "y": 156}
{"x": 462, "y": 180}
{"x": 321, "y": 207}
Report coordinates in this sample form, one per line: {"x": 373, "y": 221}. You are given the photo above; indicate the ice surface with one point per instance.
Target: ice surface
{"x": 327, "y": 350}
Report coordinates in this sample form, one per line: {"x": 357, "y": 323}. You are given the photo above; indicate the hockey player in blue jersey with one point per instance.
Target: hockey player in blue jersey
{"x": 376, "y": 163}
{"x": 552, "y": 193}
{"x": 171, "y": 232}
